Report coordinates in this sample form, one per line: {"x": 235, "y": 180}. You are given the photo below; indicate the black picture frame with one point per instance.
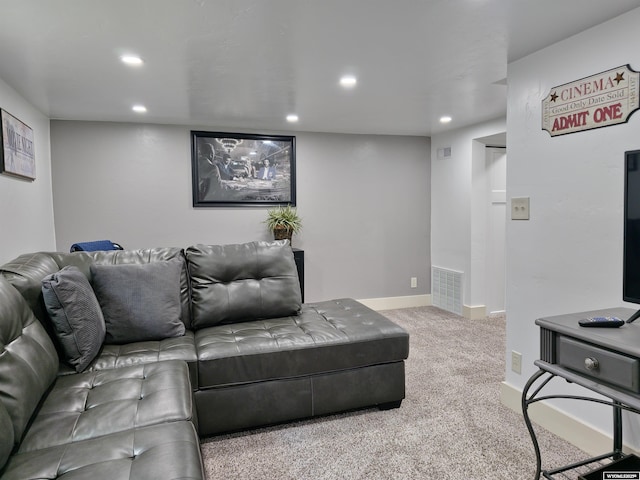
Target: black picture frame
{"x": 240, "y": 169}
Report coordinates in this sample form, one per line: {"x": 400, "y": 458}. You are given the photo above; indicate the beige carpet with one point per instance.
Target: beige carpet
{"x": 450, "y": 426}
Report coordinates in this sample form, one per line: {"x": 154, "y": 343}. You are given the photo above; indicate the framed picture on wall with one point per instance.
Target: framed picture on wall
{"x": 17, "y": 155}
{"x": 237, "y": 169}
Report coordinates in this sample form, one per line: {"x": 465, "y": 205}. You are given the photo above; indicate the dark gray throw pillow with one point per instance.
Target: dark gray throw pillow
{"x": 76, "y": 316}
{"x": 140, "y": 302}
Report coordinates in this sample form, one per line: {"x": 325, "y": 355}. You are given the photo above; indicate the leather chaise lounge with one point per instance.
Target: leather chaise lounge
{"x": 230, "y": 346}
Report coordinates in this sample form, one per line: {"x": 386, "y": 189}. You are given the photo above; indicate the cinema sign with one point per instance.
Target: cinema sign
{"x": 601, "y": 100}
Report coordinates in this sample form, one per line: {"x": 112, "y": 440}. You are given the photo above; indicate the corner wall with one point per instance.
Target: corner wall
{"x": 568, "y": 256}
{"x": 453, "y": 240}
{"x": 364, "y": 201}
{"x": 26, "y": 215}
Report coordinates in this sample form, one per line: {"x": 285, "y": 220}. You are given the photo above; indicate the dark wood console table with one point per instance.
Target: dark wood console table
{"x": 603, "y": 360}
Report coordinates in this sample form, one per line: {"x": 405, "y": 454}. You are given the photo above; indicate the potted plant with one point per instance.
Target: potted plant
{"x": 283, "y": 222}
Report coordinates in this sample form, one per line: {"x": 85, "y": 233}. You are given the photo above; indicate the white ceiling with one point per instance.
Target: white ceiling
{"x": 245, "y": 64}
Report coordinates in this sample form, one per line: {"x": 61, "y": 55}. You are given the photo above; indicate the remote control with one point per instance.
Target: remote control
{"x": 601, "y": 322}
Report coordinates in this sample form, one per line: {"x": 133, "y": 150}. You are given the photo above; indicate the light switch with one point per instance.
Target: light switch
{"x": 520, "y": 208}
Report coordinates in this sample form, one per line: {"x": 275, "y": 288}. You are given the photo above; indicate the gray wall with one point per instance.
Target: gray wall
{"x": 26, "y": 216}
{"x": 364, "y": 199}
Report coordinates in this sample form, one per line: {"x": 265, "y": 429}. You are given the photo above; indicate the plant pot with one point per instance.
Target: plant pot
{"x": 282, "y": 233}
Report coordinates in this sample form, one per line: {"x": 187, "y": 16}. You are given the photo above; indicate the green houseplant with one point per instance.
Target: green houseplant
{"x": 283, "y": 222}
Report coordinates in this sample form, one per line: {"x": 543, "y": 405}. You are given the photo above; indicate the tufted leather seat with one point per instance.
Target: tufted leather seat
{"x": 89, "y": 405}
{"x": 325, "y": 337}
{"x": 166, "y": 451}
{"x": 140, "y": 353}
{"x": 335, "y": 355}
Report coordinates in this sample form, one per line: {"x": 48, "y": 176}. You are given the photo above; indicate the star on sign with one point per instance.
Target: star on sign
{"x": 619, "y": 77}
{"x": 554, "y": 96}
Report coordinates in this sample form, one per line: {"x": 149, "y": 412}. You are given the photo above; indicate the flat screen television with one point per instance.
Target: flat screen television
{"x": 631, "y": 255}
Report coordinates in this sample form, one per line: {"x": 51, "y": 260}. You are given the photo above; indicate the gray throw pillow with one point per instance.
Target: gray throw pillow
{"x": 140, "y": 302}
{"x": 76, "y": 316}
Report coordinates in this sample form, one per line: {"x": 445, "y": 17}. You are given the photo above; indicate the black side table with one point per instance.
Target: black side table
{"x": 298, "y": 256}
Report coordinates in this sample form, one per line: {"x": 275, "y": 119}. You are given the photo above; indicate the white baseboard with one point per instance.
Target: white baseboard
{"x": 477, "y": 312}
{"x": 585, "y": 437}
{"x": 391, "y": 303}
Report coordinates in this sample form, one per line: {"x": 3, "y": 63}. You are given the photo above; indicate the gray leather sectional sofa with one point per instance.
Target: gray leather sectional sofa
{"x": 218, "y": 341}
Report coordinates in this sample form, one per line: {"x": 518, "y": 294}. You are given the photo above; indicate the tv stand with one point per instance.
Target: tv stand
{"x": 605, "y": 361}
{"x": 634, "y": 317}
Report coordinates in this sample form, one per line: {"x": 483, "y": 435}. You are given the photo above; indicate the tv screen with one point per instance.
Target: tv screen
{"x": 631, "y": 255}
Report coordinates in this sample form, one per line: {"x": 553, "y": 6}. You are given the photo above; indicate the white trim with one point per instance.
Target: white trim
{"x": 477, "y": 312}
{"x": 390, "y": 303}
{"x": 474, "y": 313}
{"x": 586, "y": 437}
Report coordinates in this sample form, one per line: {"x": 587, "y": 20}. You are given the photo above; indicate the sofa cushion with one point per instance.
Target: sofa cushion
{"x": 139, "y": 302}
{"x": 236, "y": 283}
{"x": 76, "y": 315}
{"x": 92, "y": 404}
{"x": 6, "y": 438}
{"x": 25, "y": 273}
{"x": 28, "y": 359}
{"x": 326, "y": 337}
{"x": 84, "y": 260}
{"x": 169, "y": 451}
{"x": 138, "y": 353}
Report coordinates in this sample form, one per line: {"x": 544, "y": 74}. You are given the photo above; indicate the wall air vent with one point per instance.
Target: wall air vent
{"x": 444, "y": 152}
{"x": 446, "y": 289}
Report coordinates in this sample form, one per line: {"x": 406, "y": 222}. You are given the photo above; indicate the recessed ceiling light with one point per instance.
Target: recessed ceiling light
{"x": 139, "y": 108}
{"x": 292, "y": 117}
{"x": 445, "y": 119}
{"x": 348, "y": 81}
{"x": 131, "y": 59}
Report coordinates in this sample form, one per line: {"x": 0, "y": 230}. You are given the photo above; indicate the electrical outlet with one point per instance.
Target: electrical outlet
{"x": 414, "y": 282}
{"x": 516, "y": 362}
{"x": 520, "y": 208}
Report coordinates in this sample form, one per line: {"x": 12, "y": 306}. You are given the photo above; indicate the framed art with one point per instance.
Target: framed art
{"x": 17, "y": 155}
{"x": 237, "y": 169}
